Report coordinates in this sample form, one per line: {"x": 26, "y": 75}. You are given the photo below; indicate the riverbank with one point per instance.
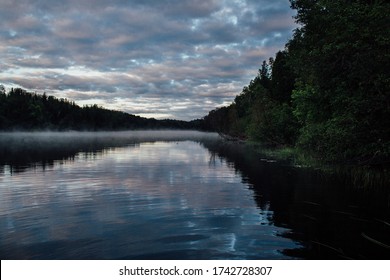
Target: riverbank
{"x": 364, "y": 176}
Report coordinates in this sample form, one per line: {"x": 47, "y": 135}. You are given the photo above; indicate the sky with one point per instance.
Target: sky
{"x": 156, "y": 58}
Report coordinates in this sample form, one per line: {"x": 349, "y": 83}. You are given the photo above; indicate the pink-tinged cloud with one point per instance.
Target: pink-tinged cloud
{"x": 188, "y": 56}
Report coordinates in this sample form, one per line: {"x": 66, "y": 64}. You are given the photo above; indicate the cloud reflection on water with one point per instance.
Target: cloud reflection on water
{"x": 138, "y": 200}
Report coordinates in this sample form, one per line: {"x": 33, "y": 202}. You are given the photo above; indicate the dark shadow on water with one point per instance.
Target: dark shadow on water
{"x": 328, "y": 215}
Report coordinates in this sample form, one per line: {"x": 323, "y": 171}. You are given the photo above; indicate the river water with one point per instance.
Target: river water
{"x": 176, "y": 195}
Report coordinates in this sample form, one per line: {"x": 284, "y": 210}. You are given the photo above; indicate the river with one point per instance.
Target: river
{"x": 176, "y": 195}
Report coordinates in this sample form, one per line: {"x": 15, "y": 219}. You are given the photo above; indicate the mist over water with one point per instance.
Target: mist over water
{"x": 21, "y": 149}
{"x": 23, "y": 138}
{"x": 173, "y": 195}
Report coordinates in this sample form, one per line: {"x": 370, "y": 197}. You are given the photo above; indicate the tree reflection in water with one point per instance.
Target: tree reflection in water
{"x": 330, "y": 218}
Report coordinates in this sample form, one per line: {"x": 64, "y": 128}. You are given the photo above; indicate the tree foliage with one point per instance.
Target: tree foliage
{"x": 263, "y": 110}
{"x": 341, "y": 58}
{"x": 328, "y": 91}
{"x": 23, "y": 110}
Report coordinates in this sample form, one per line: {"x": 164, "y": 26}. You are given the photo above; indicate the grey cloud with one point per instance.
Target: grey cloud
{"x": 183, "y": 8}
{"x": 173, "y": 51}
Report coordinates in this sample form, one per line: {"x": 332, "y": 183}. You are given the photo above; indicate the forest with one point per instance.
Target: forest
{"x": 327, "y": 93}
{"x": 23, "y": 110}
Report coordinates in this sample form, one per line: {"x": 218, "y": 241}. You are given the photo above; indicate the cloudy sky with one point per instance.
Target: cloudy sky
{"x": 157, "y": 58}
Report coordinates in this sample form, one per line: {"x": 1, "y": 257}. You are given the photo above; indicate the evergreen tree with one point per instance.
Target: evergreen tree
{"x": 341, "y": 58}
{"x": 22, "y": 110}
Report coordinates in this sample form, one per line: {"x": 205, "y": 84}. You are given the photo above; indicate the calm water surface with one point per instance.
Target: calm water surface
{"x": 169, "y": 195}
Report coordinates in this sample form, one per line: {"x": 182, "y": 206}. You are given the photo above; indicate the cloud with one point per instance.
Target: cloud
{"x": 184, "y": 57}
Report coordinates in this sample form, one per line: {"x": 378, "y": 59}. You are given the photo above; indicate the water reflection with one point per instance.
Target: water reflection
{"x": 328, "y": 215}
{"x": 20, "y": 151}
{"x": 142, "y": 195}
{"x": 131, "y": 199}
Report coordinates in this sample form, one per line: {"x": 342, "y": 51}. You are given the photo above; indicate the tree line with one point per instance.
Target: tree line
{"x": 327, "y": 93}
{"x": 23, "y": 110}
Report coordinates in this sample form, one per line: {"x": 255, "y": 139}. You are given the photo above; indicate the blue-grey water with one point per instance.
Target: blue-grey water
{"x": 173, "y": 195}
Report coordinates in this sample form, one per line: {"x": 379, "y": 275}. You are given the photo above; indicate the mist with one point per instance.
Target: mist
{"x": 134, "y": 135}
{"x": 21, "y": 150}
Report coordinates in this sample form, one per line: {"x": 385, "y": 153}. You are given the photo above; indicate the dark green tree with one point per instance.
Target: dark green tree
{"x": 23, "y": 110}
{"x": 264, "y": 75}
{"x": 283, "y": 78}
{"x": 341, "y": 58}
